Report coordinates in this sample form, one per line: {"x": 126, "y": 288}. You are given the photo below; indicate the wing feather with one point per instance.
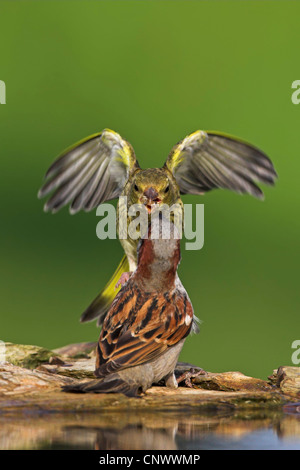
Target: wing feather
{"x": 206, "y": 160}
{"x": 93, "y": 171}
{"x": 131, "y": 336}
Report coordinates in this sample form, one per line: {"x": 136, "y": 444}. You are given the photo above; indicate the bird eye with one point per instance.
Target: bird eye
{"x": 167, "y": 189}
{"x": 136, "y": 188}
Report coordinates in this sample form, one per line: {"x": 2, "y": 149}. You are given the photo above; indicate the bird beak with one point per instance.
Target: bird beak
{"x": 150, "y": 199}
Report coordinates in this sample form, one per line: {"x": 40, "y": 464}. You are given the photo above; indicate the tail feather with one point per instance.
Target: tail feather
{"x": 100, "y": 306}
{"x": 111, "y": 384}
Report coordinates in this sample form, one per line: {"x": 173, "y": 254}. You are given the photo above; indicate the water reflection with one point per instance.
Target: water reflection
{"x": 215, "y": 429}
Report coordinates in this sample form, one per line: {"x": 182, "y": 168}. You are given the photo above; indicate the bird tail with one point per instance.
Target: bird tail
{"x": 99, "y": 307}
{"x": 110, "y": 384}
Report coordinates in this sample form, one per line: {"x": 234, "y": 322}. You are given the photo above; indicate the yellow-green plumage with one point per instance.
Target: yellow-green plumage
{"x": 104, "y": 166}
{"x": 160, "y": 180}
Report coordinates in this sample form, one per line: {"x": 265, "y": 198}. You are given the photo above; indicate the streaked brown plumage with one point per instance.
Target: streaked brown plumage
{"x": 146, "y": 326}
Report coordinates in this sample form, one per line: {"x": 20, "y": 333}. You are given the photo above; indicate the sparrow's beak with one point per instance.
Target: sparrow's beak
{"x": 150, "y": 198}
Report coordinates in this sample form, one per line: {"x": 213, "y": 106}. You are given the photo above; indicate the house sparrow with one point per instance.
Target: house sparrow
{"x": 147, "y": 323}
{"x": 104, "y": 166}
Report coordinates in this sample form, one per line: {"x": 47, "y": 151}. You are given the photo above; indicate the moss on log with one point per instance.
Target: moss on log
{"x": 28, "y": 356}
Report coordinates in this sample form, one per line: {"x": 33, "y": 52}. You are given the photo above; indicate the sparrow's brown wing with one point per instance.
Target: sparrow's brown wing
{"x": 93, "y": 171}
{"x": 140, "y": 327}
{"x": 206, "y": 160}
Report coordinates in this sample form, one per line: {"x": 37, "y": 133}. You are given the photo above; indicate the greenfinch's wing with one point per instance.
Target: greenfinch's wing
{"x": 93, "y": 171}
{"x": 206, "y": 160}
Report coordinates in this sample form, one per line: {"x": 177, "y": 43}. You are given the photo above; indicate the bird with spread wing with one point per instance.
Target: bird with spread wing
{"x": 103, "y": 167}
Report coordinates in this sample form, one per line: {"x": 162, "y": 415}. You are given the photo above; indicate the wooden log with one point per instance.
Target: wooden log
{"x": 288, "y": 380}
{"x": 33, "y": 377}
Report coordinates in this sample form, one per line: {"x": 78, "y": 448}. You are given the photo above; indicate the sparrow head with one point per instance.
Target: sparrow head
{"x": 153, "y": 187}
{"x": 159, "y": 255}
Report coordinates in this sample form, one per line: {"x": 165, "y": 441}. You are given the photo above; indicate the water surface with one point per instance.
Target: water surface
{"x": 213, "y": 429}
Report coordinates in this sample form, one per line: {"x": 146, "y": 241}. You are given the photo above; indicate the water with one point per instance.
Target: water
{"x": 214, "y": 429}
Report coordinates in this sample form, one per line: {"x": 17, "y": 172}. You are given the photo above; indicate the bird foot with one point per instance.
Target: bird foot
{"x": 190, "y": 374}
{"x": 123, "y": 279}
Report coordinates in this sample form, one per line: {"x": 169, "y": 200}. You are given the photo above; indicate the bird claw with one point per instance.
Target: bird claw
{"x": 123, "y": 279}
{"x": 190, "y": 374}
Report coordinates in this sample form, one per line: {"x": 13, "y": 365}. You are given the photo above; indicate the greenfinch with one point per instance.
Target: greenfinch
{"x": 103, "y": 167}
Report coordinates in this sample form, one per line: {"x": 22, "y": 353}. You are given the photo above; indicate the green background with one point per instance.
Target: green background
{"x": 154, "y": 72}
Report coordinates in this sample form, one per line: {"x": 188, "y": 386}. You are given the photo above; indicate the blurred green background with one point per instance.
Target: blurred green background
{"x": 154, "y": 71}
